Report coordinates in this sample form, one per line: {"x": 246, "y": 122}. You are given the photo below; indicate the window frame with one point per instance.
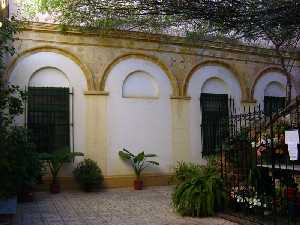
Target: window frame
{"x": 64, "y": 109}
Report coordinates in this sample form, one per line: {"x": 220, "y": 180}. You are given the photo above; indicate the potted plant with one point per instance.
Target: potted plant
{"x": 138, "y": 162}
{"x": 200, "y": 191}
{"x": 291, "y": 188}
{"x": 89, "y": 175}
{"x": 55, "y": 161}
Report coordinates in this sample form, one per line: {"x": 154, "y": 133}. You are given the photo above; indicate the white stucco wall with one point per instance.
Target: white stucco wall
{"x": 138, "y": 124}
{"x": 271, "y": 84}
{"x": 52, "y": 69}
{"x": 212, "y": 79}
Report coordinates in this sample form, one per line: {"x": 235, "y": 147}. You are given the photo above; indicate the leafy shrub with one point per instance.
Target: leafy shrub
{"x": 20, "y": 166}
{"x": 88, "y": 174}
{"x": 201, "y": 192}
{"x": 185, "y": 171}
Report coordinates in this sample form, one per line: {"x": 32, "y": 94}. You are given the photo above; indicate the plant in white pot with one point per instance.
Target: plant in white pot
{"x": 138, "y": 162}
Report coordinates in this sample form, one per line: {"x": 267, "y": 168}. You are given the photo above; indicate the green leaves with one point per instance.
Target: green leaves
{"x": 88, "y": 174}
{"x": 138, "y": 162}
{"x": 124, "y": 155}
{"x": 153, "y": 162}
{"x": 200, "y": 192}
{"x": 56, "y": 160}
{"x": 139, "y": 158}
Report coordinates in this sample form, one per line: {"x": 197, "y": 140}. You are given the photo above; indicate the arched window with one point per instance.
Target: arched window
{"x": 214, "y": 107}
{"x": 49, "y": 109}
{"x": 274, "y": 97}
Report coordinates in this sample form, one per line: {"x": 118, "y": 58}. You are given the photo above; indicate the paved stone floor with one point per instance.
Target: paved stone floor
{"x": 110, "y": 207}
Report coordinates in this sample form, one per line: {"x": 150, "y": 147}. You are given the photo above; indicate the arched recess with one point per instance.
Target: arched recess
{"x": 85, "y": 70}
{"x": 173, "y": 81}
{"x": 49, "y": 77}
{"x": 138, "y": 123}
{"x": 209, "y": 79}
{"x": 55, "y": 70}
{"x": 245, "y": 93}
{"x": 140, "y": 85}
{"x": 267, "y": 75}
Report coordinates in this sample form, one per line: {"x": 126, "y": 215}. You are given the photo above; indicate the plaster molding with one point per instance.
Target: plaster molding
{"x": 157, "y": 38}
{"x": 101, "y": 93}
{"x": 244, "y": 88}
{"x": 102, "y": 79}
{"x": 86, "y": 71}
{"x": 265, "y": 71}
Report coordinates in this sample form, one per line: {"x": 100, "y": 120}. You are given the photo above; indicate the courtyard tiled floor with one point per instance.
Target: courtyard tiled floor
{"x": 110, "y": 207}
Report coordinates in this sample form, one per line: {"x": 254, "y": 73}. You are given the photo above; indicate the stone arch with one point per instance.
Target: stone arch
{"x": 86, "y": 71}
{"x": 27, "y": 65}
{"x": 173, "y": 81}
{"x": 265, "y": 71}
{"x": 241, "y": 81}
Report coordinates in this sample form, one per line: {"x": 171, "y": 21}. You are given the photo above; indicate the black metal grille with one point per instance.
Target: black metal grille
{"x": 49, "y": 117}
{"x": 214, "y": 109}
{"x": 259, "y": 176}
{"x": 273, "y": 104}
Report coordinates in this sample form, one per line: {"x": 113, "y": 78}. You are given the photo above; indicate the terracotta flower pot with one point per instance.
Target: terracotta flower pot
{"x": 291, "y": 193}
{"x": 55, "y": 188}
{"x": 138, "y": 185}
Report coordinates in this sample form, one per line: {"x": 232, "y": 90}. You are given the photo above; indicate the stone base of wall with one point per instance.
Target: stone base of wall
{"x": 68, "y": 183}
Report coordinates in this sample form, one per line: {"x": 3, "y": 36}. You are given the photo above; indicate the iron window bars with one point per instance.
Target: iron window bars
{"x": 49, "y": 117}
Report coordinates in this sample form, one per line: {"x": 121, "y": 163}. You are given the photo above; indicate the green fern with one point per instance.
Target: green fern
{"x": 202, "y": 194}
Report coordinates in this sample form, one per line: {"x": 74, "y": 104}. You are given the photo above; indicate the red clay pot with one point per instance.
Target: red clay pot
{"x": 291, "y": 193}
{"x": 54, "y": 188}
{"x": 138, "y": 185}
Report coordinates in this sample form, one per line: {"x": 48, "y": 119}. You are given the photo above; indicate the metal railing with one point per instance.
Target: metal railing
{"x": 259, "y": 176}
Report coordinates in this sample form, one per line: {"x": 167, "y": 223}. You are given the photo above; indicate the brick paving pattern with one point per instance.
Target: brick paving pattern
{"x": 110, "y": 207}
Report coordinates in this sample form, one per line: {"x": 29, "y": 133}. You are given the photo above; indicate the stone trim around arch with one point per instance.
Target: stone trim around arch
{"x": 173, "y": 81}
{"x": 263, "y": 72}
{"x": 86, "y": 71}
{"x": 244, "y": 89}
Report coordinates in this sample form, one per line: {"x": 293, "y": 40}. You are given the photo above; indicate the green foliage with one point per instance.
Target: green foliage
{"x": 260, "y": 179}
{"x": 185, "y": 171}
{"x": 9, "y": 28}
{"x": 202, "y": 194}
{"x": 88, "y": 174}
{"x": 138, "y": 162}
{"x": 20, "y": 166}
{"x": 19, "y": 163}
{"x": 288, "y": 180}
{"x": 56, "y": 160}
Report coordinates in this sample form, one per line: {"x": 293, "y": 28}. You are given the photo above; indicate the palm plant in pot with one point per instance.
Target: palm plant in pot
{"x": 138, "y": 162}
{"x": 55, "y": 162}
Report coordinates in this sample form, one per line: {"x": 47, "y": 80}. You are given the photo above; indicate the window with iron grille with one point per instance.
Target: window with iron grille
{"x": 214, "y": 109}
{"x": 273, "y": 104}
{"x": 48, "y": 117}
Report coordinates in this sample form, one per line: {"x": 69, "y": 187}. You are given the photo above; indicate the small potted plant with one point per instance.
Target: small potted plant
{"x": 55, "y": 161}
{"x": 138, "y": 162}
{"x": 291, "y": 188}
{"x": 89, "y": 175}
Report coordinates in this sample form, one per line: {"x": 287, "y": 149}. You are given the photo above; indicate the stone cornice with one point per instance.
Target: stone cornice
{"x": 156, "y": 38}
